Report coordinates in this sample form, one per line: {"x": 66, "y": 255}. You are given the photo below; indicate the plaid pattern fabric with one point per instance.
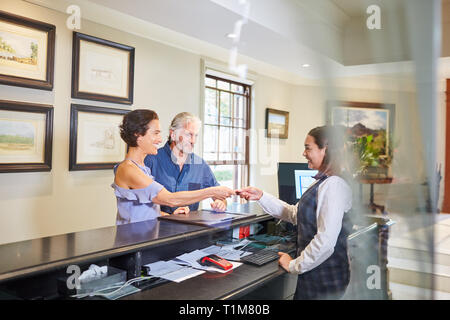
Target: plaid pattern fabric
{"x": 330, "y": 279}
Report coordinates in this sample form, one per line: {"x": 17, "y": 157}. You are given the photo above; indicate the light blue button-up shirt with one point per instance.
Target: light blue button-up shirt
{"x": 196, "y": 173}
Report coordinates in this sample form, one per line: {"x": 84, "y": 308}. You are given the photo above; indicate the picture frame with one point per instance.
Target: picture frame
{"x": 277, "y": 123}
{"x": 27, "y": 52}
{"x": 95, "y": 142}
{"x": 26, "y": 137}
{"x": 102, "y": 70}
{"x": 362, "y": 118}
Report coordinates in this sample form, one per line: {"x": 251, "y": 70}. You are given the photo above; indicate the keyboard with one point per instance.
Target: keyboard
{"x": 260, "y": 257}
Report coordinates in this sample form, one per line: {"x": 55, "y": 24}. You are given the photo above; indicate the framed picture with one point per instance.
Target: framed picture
{"x": 277, "y": 123}
{"x": 26, "y": 132}
{"x": 27, "y": 52}
{"x": 95, "y": 141}
{"x": 102, "y": 70}
{"x": 365, "y": 119}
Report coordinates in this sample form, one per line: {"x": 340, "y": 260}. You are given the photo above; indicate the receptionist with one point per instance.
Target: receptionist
{"x": 322, "y": 221}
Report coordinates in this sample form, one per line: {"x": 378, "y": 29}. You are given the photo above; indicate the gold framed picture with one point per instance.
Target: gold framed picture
{"x": 277, "y": 123}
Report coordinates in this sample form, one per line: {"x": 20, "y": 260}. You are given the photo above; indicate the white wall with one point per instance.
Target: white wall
{"x": 41, "y": 204}
{"x": 166, "y": 79}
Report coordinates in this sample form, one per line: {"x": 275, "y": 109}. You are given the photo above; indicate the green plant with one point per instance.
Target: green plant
{"x": 369, "y": 154}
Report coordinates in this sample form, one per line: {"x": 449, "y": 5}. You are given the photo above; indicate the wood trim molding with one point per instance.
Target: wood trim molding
{"x": 446, "y": 202}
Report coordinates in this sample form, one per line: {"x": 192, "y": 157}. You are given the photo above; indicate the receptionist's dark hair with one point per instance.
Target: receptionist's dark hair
{"x": 333, "y": 139}
{"x": 135, "y": 124}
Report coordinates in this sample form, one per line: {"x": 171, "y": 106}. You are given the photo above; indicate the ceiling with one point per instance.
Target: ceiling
{"x": 329, "y": 35}
{"x": 357, "y": 8}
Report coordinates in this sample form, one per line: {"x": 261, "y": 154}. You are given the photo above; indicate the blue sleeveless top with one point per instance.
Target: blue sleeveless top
{"x": 135, "y": 205}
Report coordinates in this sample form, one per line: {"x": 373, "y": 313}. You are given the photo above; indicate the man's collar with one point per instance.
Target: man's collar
{"x": 166, "y": 147}
{"x": 189, "y": 159}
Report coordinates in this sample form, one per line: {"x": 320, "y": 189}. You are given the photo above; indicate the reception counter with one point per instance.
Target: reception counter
{"x": 30, "y": 269}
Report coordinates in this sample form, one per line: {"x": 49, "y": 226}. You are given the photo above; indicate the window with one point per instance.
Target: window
{"x": 226, "y": 123}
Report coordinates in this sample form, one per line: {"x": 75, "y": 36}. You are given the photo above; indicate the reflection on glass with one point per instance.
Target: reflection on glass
{"x": 136, "y": 232}
{"x": 238, "y": 111}
{"x": 225, "y": 140}
{"x": 210, "y": 156}
{"x": 224, "y": 175}
{"x": 237, "y": 88}
{"x": 225, "y": 108}
{"x": 211, "y": 114}
{"x": 223, "y": 85}
{"x": 210, "y": 138}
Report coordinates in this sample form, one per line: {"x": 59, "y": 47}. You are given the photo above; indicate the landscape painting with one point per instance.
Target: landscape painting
{"x": 362, "y": 122}
{"x": 26, "y": 52}
{"x": 26, "y": 131}
{"x": 277, "y": 123}
{"x": 17, "y": 49}
{"x": 17, "y": 137}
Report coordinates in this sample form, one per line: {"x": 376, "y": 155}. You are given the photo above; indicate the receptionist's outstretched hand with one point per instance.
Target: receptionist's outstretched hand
{"x": 250, "y": 193}
{"x": 182, "y": 210}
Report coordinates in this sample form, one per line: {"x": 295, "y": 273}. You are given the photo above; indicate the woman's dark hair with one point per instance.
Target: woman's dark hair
{"x": 333, "y": 139}
{"x": 135, "y": 124}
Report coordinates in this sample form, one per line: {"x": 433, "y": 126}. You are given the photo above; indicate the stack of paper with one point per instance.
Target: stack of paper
{"x": 227, "y": 253}
{"x": 172, "y": 271}
{"x": 187, "y": 266}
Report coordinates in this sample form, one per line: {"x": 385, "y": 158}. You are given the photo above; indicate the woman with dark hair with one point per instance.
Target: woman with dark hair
{"x": 321, "y": 217}
{"x": 138, "y": 195}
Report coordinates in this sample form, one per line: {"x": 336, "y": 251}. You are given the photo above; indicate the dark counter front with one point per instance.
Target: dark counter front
{"x": 27, "y": 267}
{"x": 30, "y": 269}
{"x": 26, "y": 258}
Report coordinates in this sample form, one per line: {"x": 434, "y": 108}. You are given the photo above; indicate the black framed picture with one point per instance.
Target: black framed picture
{"x": 102, "y": 70}
{"x": 27, "y": 52}
{"x": 95, "y": 141}
{"x": 26, "y": 135}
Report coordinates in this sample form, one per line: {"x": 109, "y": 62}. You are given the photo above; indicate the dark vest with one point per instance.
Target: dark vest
{"x": 329, "y": 279}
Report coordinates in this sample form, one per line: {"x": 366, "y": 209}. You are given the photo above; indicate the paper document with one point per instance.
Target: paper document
{"x": 227, "y": 253}
{"x": 171, "y": 270}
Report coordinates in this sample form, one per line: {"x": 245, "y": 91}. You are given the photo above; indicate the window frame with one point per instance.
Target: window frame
{"x": 247, "y": 93}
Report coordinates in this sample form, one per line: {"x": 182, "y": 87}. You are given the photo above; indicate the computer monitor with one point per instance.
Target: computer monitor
{"x": 293, "y": 180}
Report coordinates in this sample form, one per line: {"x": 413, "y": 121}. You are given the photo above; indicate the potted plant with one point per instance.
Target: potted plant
{"x": 370, "y": 163}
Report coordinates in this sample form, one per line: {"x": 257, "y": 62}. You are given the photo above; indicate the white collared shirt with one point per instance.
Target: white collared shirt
{"x": 334, "y": 199}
